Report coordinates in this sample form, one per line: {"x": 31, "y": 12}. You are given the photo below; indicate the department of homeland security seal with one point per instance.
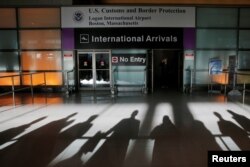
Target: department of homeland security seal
{"x": 78, "y": 16}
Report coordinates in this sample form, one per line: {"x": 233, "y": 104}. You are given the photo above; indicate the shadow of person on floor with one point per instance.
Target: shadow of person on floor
{"x": 196, "y": 141}
{"x": 242, "y": 120}
{"x": 166, "y": 146}
{"x": 113, "y": 151}
{"x": 75, "y": 160}
{"x": 9, "y": 134}
{"x": 34, "y": 148}
{"x": 67, "y": 137}
{"x": 237, "y": 134}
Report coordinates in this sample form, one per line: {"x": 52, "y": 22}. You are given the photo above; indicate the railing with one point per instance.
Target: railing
{"x": 31, "y": 87}
{"x": 239, "y": 81}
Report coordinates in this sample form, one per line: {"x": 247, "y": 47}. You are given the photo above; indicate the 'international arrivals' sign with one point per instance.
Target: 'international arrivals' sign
{"x": 109, "y": 38}
{"x": 127, "y": 16}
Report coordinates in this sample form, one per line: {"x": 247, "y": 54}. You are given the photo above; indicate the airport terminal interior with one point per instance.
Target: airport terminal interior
{"x": 109, "y": 83}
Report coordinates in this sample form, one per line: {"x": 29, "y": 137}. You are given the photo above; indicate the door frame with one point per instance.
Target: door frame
{"x": 94, "y": 86}
{"x": 179, "y": 71}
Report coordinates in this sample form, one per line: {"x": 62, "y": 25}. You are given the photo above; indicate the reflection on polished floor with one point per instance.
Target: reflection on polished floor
{"x": 130, "y": 130}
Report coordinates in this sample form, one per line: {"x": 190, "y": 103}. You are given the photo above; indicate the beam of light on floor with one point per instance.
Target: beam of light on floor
{"x": 18, "y": 112}
{"x": 230, "y": 143}
{"x": 216, "y": 116}
{"x": 68, "y": 152}
{"x": 51, "y": 113}
{"x": 115, "y": 114}
{"x": 7, "y": 144}
{"x": 140, "y": 151}
{"x": 108, "y": 117}
{"x": 205, "y": 113}
{"x": 161, "y": 110}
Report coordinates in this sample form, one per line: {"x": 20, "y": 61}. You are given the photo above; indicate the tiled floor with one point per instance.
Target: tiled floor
{"x": 164, "y": 129}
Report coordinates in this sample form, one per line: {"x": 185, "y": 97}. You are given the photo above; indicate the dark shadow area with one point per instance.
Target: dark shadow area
{"x": 167, "y": 69}
{"x": 182, "y": 146}
{"x": 242, "y": 120}
{"x": 9, "y": 134}
{"x": 167, "y": 144}
{"x": 68, "y": 136}
{"x": 237, "y": 134}
{"x": 195, "y": 139}
{"x": 35, "y": 148}
{"x": 113, "y": 151}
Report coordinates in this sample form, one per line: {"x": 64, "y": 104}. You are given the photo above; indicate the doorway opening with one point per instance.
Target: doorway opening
{"x": 93, "y": 70}
{"x": 168, "y": 69}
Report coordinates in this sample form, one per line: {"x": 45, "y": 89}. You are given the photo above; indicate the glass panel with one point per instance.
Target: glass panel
{"x": 129, "y": 75}
{"x": 9, "y": 61}
{"x": 41, "y": 60}
{"x": 85, "y": 70}
{"x": 9, "y": 13}
{"x": 244, "y": 17}
{"x": 244, "y": 60}
{"x": 8, "y": 39}
{"x": 102, "y": 60}
{"x": 40, "y": 39}
{"x": 201, "y": 77}
{"x": 244, "y": 41}
{"x": 8, "y": 80}
{"x": 216, "y": 17}
{"x": 102, "y": 78}
{"x": 39, "y": 17}
{"x": 85, "y": 60}
{"x": 102, "y": 70}
{"x": 86, "y": 78}
{"x": 207, "y": 38}
{"x": 202, "y": 58}
{"x": 52, "y": 79}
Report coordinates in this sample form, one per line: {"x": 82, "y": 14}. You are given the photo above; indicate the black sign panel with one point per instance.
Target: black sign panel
{"x": 129, "y": 59}
{"x": 110, "y": 38}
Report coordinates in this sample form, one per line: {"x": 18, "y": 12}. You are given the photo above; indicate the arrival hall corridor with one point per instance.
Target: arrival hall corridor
{"x": 167, "y": 129}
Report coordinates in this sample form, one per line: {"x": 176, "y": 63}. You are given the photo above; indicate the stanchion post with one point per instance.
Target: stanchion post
{"x": 244, "y": 91}
{"x": 45, "y": 84}
{"x": 31, "y": 87}
{"x": 13, "y": 90}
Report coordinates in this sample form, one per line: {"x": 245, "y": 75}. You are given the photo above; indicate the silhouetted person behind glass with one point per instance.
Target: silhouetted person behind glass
{"x": 242, "y": 120}
{"x": 112, "y": 153}
{"x": 166, "y": 148}
{"x": 164, "y": 73}
{"x": 101, "y": 72}
{"x": 237, "y": 134}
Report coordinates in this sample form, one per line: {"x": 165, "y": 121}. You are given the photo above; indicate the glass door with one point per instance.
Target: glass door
{"x": 94, "y": 70}
{"x": 102, "y": 70}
